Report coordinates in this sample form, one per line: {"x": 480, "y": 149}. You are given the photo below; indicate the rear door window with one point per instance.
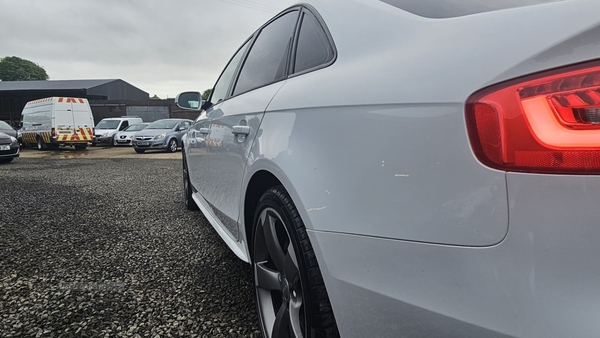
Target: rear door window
{"x": 268, "y": 58}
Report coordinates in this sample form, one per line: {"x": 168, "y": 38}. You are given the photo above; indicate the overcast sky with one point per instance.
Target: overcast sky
{"x": 162, "y": 47}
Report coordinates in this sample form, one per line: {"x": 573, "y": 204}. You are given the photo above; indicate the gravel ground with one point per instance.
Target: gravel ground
{"x": 105, "y": 247}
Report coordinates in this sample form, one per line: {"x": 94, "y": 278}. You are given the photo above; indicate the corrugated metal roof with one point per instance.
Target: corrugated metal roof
{"x": 52, "y": 84}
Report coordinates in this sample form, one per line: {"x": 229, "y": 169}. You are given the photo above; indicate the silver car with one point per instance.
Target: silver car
{"x": 163, "y": 134}
{"x": 125, "y": 137}
{"x": 410, "y": 168}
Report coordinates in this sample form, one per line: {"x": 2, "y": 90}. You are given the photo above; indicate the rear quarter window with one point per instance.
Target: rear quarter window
{"x": 314, "y": 48}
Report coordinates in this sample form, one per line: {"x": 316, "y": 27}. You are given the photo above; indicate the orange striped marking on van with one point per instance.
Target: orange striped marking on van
{"x": 82, "y": 134}
{"x": 70, "y": 100}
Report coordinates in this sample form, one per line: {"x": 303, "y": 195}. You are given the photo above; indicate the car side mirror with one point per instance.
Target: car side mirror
{"x": 189, "y": 100}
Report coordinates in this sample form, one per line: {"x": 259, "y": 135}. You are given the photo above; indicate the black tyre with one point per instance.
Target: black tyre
{"x": 172, "y": 146}
{"x": 93, "y": 144}
{"x": 139, "y": 151}
{"x": 291, "y": 297}
{"x": 189, "y": 202}
{"x": 6, "y": 160}
{"x": 40, "y": 144}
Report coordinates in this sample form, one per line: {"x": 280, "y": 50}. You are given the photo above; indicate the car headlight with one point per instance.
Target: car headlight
{"x": 13, "y": 140}
{"x": 105, "y": 134}
{"x": 161, "y": 136}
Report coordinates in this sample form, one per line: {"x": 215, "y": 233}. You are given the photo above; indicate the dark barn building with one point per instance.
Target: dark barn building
{"x": 15, "y": 94}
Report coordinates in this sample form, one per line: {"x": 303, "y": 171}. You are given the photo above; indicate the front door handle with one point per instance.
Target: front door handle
{"x": 237, "y": 130}
{"x": 204, "y": 131}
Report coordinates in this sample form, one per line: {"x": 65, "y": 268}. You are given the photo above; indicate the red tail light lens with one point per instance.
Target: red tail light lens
{"x": 53, "y": 132}
{"x": 546, "y": 123}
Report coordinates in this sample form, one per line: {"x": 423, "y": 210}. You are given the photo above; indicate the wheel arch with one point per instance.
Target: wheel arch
{"x": 258, "y": 184}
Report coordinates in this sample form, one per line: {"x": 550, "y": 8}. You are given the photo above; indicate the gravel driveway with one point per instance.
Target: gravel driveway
{"x": 105, "y": 247}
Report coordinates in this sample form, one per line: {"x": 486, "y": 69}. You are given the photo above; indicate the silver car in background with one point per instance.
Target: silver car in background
{"x": 410, "y": 168}
{"x": 125, "y": 137}
{"x": 162, "y": 134}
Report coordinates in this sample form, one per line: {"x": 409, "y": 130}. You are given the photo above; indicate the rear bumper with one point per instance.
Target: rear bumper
{"x": 56, "y": 142}
{"x": 540, "y": 281}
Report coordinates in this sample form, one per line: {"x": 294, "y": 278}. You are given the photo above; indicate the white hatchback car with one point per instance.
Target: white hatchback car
{"x": 125, "y": 136}
{"x": 107, "y": 128}
{"x": 463, "y": 204}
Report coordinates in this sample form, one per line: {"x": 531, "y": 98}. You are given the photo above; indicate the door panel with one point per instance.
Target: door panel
{"x": 196, "y": 153}
{"x": 228, "y": 152}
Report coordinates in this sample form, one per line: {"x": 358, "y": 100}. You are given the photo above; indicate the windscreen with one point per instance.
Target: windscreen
{"x": 5, "y": 126}
{"x": 437, "y": 9}
{"x": 163, "y": 124}
{"x": 108, "y": 124}
{"x": 136, "y": 127}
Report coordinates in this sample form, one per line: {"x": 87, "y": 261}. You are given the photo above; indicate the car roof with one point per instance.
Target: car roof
{"x": 436, "y": 9}
{"x": 122, "y": 118}
{"x": 173, "y": 120}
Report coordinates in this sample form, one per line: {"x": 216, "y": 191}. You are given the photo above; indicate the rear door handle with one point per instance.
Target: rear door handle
{"x": 237, "y": 130}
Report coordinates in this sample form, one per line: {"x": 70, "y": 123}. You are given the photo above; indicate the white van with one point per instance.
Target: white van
{"x": 108, "y": 127}
{"x": 56, "y": 121}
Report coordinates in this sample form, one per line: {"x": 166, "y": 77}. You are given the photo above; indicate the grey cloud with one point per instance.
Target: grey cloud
{"x": 161, "y": 47}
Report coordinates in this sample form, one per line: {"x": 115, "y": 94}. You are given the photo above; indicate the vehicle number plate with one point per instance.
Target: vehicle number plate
{"x": 4, "y": 147}
{"x": 143, "y": 143}
{"x": 121, "y": 141}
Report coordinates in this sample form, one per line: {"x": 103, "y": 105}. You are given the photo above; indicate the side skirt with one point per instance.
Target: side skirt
{"x": 237, "y": 247}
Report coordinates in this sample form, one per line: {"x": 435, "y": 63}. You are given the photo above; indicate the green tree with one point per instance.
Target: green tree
{"x": 13, "y": 68}
{"x": 206, "y": 94}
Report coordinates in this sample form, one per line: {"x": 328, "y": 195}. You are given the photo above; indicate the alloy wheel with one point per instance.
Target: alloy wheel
{"x": 277, "y": 278}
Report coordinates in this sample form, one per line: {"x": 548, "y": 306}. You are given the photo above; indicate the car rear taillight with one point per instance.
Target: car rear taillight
{"x": 53, "y": 132}
{"x": 545, "y": 123}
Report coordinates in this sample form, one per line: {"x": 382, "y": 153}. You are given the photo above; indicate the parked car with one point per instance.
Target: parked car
{"x": 124, "y": 137}
{"x": 433, "y": 173}
{"x": 107, "y": 128}
{"x": 162, "y": 134}
{"x": 9, "y": 147}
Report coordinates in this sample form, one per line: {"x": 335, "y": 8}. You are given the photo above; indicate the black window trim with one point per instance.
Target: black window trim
{"x": 301, "y": 9}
